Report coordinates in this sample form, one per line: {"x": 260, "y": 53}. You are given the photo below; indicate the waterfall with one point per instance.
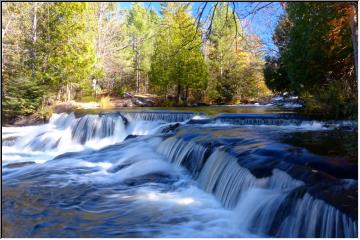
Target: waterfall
{"x": 223, "y": 176}
{"x": 269, "y": 191}
{"x": 97, "y": 130}
{"x": 261, "y": 203}
{"x": 253, "y": 119}
{"x": 280, "y": 120}
{"x": 276, "y": 205}
{"x": 182, "y": 153}
{"x": 159, "y": 115}
{"x": 287, "y": 215}
{"x": 93, "y": 127}
{"x": 64, "y": 131}
{"x": 263, "y": 119}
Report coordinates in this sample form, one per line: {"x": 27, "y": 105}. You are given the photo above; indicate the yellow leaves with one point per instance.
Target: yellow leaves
{"x": 339, "y": 24}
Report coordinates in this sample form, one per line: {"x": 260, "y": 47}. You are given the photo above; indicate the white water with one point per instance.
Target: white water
{"x": 205, "y": 217}
{"x": 218, "y": 198}
{"x": 64, "y": 133}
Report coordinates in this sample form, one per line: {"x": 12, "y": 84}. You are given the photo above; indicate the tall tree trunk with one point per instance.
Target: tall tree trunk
{"x": 221, "y": 67}
{"x": 137, "y": 75}
{"x": 68, "y": 92}
{"x": 354, "y": 36}
{"x": 147, "y": 83}
{"x": 178, "y": 94}
{"x": 186, "y": 94}
{"x": 33, "y": 33}
{"x": 3, "y": 34}
{"x": 137, "y": 62}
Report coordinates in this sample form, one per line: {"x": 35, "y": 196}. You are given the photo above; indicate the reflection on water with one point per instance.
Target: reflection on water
{"x": 331, "y": 143}
{"x": 210, "y": 110}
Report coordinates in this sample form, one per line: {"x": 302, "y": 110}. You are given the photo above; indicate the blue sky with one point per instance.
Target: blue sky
{"x": 261, "y": 23}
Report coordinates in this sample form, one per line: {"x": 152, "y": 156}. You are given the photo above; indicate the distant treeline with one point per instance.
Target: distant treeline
{"x": 64, "y": 51}
{"x": 317, "y": 57}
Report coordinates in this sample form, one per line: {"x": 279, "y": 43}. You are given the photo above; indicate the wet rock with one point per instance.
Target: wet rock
{"x": 64, "y": 107}
{"x": 17, "y": 165}
{"x": 29, "y": 120}
{"x": 200, "y": 104}
{"x": 118, "y": 168}
{"x": 153, "y": 177}
{"x": 128, "y": 103}
{"x": 115, "y": 114}
{"x": 170, "y": 128}
{"x": 130, "y": 137}
{"x": 130, "y": 100}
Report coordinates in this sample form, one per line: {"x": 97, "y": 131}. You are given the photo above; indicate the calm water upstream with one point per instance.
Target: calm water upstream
{"x": 227, "y": 171}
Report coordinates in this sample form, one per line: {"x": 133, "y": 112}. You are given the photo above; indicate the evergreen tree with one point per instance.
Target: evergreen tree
{"x": 71, "y": 49}
{"x": 233, "y": 64}
{"x": 317, "y": 56}
{"x": 21, "y": 93}
{"x": 178, "y": 64}
{"x": 142, "y": 27}
{"x": 49, "y": 49}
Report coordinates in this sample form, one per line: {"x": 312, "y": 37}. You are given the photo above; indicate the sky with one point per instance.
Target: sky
{"x": 261, "y": 23}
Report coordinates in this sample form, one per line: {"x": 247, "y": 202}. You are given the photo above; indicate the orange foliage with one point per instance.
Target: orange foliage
{"x": 346, "y": 12}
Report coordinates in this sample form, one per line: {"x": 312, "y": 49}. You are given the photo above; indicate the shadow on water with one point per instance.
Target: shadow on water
{"x": 337, "y": 143}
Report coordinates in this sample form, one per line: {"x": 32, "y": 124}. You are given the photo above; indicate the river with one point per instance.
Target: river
{"x": 227, "y": 171}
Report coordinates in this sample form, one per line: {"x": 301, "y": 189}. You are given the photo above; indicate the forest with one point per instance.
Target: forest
{"x": 317, "y": 56}
{"x": 56, "y": 51}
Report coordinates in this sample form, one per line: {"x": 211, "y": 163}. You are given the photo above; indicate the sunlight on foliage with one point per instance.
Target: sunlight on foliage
{"x": 105, "y": 102}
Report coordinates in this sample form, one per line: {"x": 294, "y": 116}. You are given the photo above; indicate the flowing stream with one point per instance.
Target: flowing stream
{"x": 157, "y": 173}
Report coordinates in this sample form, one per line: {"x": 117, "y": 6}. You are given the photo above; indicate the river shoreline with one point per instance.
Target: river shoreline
{"x": 36, "y": 119}
{"x": 129, "y": 102}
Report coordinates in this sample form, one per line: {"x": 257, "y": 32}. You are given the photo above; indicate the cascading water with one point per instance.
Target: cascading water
{"x": 173, "y": 174}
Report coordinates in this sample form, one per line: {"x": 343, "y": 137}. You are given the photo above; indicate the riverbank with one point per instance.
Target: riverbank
{"x": 132, "y": 102}
{"x": 128, "y": 100}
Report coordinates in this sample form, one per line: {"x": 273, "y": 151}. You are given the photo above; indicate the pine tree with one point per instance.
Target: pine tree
{"x": 71, "y": 49}
{"x": 232, "y": 60}
{"x": 20, "y": 91}
{"x": 142, "y": 27}
{"x": 316, "y": 55}
{"x": 178, "y": 63}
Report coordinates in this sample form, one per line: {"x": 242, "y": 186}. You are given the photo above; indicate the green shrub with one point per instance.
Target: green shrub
{"x": 24, "y": 99}
{"x": 332, "y": 101}
{"x": 237, "y": 101}
{"x": 121, "y": 90}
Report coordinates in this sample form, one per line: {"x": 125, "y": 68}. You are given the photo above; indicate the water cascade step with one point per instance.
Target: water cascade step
{"x": 272, "y": 188}
{"x": 275, "y": 205}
